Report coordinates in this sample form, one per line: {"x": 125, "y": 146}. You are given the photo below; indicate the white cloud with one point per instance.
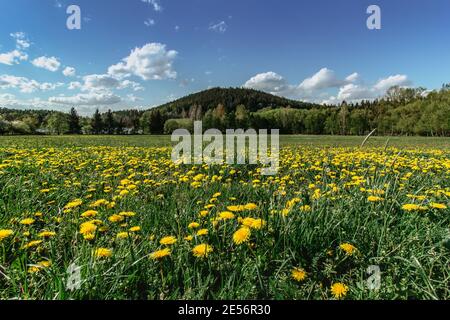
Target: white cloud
{"x": 151, "y": 62}
{"x": 87, "y": 99}
{"x": 133, "y": 98}
{"x": 105, "y": 82}
{"x": 317, "y": 87}
{"x": 17, "y": 55}
{"x": 7, "y": 97}
{"x": 130, "y": 84}
{"x": 13, "y": 57}
{"x": 50, "y": 63}
{"x": 149, "y": 22}
{"x": 21, "y": 40}
{"x": 25, "y": 85}
{"x": 154, "y": 3}
{"x": 69, "y": 72}
{"x": 352, "y": 92}
{"x": 396, "y": 80}
{"x": 220, "y": 27}
{"x": 357, "y": 92}
{"x": 269, "y": 82}
{"x": 323, "y": 79}
{"x": 75, "y": 85}
{"x": 99, "y": 82}
{"x": 177, "y": 28}
{"x": 354, "y": 77}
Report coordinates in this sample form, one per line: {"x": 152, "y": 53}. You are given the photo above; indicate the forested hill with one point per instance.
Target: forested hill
{"x": 229, "y": 98}
{"x": 403, "y": 111}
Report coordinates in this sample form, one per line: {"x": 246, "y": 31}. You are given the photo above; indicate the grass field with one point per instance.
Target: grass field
{"x": 137, "y": 226}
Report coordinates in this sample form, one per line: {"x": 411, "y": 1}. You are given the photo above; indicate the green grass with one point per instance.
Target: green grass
{"x": 157, "y": 141}
{"x": 412, "y": 248}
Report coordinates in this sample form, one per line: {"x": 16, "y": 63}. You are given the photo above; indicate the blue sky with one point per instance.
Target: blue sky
{"x": 141, "y": 53}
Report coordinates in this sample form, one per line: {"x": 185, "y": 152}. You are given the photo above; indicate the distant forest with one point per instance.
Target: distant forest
{"x": 403, "y": 111}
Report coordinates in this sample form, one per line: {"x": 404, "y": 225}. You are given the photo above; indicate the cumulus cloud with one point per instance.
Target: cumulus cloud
{"x": 269, "y": 82}
{"x": 13, "y": 57}
{"x": 87, "y": 99}
{"x": 154, "y": 3}
{"x": 151, "y": 62}
{"x": 396, "y": 80}
{"x": 351, "y": 92}
{"x": 21, "y": 40}
{"x": 99, "y": 81}
{"x": 135, "y": 86}
{"x": 357, "y": 92}
{"x": 75, "y": 85}
{"x": 17, "y": 55}
{"x": 105, "y": 82}
{"x": 220, "y": 27}
{"x": 49, "y": 63}
{"x": 25, "y": 85}
{"x": 316, "y": 88}
{"x": 69, "y": 72}
{"x": 323, "y": 79}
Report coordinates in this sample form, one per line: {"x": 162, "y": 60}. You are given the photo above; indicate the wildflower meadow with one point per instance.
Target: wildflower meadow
{"x": 129, "y": 223}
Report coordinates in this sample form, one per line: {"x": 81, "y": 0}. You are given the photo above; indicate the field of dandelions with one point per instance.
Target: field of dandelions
{"x": 136, "y": 226}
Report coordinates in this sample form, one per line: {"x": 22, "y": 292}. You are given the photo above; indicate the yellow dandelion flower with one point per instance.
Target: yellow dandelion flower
{"x": 189, "y": 238}
{"x": 235, "y": 208}
{"x": 89, "y": 236}
{"x": 127, "y": 214}
{"x": 202, "y": 250}
{"x": 339, "y": 290}
{"x": 193, "y": 225}
{"x": 116, "y": 218}
{"x": 251, "y": 206}
{"x": 248, "y": 222}
{"x": 103, "y": 253}
{"x": 168, "y": 240}
{"x": 257, "y": 224}
{"x": 202, "y": 232}
{"x": 87, "y": 228}
{"x": 439, "y": 206}
{"x": 298, "y": 274}
{"x": 374, "y": 199}
{"x": 5, "y": 233}
{"x": 160, "y": 254}
{"x": 27, "y": 221}
{"x": 412, "y": 207}
{"x": 47, "y": 234}
{"x": 89, "y": 214}
{"x": 135, "y": 229}
{"x": 204, "y": 213}
{"x": 226, "y": 215}
{"x": 348, "y": 248}
{"x": 32, "y": 244}
{"x": 124, "y": 193}
{"x": 122, "y": 235}
{"x": 242, "y": 235}
{"x": 39, "y": 266}
{"x": 73, "y": 204}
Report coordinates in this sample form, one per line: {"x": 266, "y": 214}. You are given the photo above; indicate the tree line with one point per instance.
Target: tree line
{"x": 403, "y": 111}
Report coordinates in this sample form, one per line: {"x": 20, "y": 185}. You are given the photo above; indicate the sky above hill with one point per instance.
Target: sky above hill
{"x": 142, "y": 53}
